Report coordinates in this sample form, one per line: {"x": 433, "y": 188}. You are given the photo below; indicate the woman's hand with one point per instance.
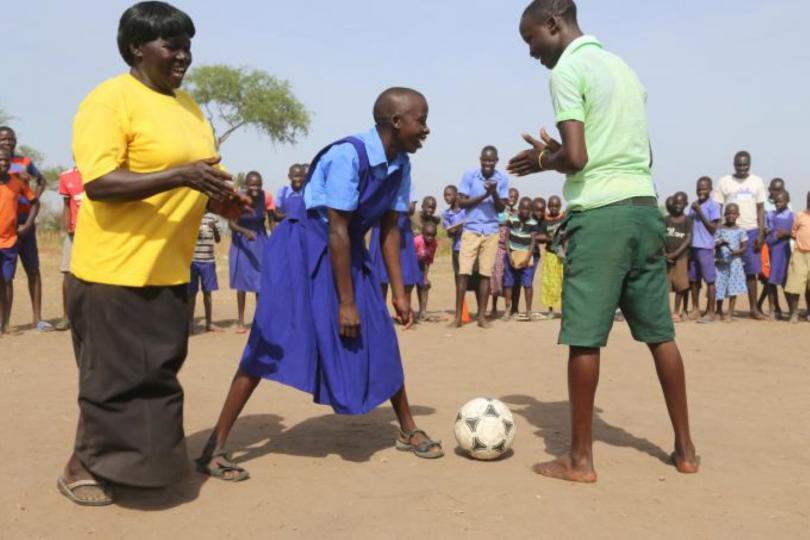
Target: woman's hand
{"x": 404, "y": 313}
{"x": 349, "y": 320}
{"x": 204, "y": 177}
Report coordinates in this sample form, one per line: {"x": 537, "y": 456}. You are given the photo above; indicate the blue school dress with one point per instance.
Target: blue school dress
{"x": 779, "y": 248}
{"x": 411, "y": 273}
{"x": 245, "y": 256}
{"x": 289, "y": 201}
{"x": 295, "y": 338}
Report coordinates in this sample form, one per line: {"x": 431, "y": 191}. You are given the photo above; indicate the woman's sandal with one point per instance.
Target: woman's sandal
{"x": 221, "y": 470}
{"x": 423, "y": 449}
{"x": 68, "y": 488}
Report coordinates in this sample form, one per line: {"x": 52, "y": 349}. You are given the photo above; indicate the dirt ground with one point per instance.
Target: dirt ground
{"x": 317, "y": 475}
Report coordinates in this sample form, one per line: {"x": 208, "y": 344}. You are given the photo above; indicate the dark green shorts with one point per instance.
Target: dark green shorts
{"x": 615, "y": 259}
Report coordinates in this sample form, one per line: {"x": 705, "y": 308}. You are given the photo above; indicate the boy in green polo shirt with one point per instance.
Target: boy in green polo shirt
{"x": 614, "y": 232}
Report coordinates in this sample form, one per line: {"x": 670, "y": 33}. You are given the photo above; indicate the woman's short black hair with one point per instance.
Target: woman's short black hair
{"x": 148, "y": 21}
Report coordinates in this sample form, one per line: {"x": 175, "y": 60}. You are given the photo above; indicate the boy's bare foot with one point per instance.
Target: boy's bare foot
{"x": 686, "y": 464}
{"x": 215, "y": 329}
{"x": 794, "y": 318}
{"x": 483, "y": 323}
{"x": 506, "y": 316}
{"x": 563, "y": 468}
{"x": 455, "y": 323}
{"x": 758, "y": 315}
{"x": 694, "y": 315}
{"x": 706, "y": 319}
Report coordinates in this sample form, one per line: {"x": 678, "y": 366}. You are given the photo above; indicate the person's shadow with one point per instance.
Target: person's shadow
{"x": 552, "y": 419}
{"x": 354, "y": 438}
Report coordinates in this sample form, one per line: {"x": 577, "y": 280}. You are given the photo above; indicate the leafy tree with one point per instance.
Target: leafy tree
{"x": 239, "y": 97}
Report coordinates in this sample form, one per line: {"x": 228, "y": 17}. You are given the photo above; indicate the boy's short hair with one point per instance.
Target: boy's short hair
{"x": 489, "y": 148}
{"x": 704, "y": 179}
{"x": 7, "y": 128}
{"x": 742, "y": 153}
{"x": 540, "y": 10}
{"x": 451, "y": 186}
{"x": 527, "y": 200}
{"x": 429, "y": 223}
{"x": 148, "y": 21}
{"x": 385, "y": 106}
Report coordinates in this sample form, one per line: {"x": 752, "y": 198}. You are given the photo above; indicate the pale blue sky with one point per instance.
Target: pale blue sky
{"x": 721, "y": 76}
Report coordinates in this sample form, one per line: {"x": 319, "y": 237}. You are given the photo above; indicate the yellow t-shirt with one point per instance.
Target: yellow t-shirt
{"x": 124, "y": 124}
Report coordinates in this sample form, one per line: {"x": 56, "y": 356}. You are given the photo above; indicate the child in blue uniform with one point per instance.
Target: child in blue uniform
{"x": 248, "y": 241}
{"x": 321, "y": 324}
{"x": 289, "y": 198}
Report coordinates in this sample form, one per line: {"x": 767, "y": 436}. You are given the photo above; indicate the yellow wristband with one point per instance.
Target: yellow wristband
{"x": 540, "y": 159}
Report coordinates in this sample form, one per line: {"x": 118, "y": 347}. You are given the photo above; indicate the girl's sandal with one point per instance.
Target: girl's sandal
{"x": 221, "y": 468}
{"x": 523, "y": 317}
{"x": 424, "y": 449}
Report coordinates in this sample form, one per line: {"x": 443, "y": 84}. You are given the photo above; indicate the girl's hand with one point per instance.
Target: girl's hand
{"x": 404, "y": 313}
{"x": 349, "y": 320}
{"x": 250, "y": 235}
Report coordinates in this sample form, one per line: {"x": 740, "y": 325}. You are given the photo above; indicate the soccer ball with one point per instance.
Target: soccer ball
{"x": 484, "y": 428}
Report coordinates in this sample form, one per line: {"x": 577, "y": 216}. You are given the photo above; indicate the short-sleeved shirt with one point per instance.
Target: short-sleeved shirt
{"x": 24, "y": 164}
{"x": 269, "y": 202}
{"x": 451, "y": 218}
{"x": 597, "y": 88}
{"x": 801, "y": 231}
{"x": 10, "y": 192}
{"x": 72, "y": 188}
{"x": 206, "y": 239}
{"x": 123, "y": 124}
{"x": 340, "y": 165}
{"x": 482, "y": 218}
{"x": 746, "y": 194}
{"x": 284, "y": 194}
{"x": 425, "y": 251}
{"x": 701, "y": 237}
{"x": 676, "y": 233}
{"x": 775, "y": 221}
{"x": 521, "y": 232}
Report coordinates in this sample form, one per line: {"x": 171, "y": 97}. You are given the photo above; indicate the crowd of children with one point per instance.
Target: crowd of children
{"x": 707, "y": 246}
{"x": 703, "y": 246}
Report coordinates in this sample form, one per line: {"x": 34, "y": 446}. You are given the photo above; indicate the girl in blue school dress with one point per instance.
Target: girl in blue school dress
{"x": 321, "y": 324}
{"x": 248, "y": 241}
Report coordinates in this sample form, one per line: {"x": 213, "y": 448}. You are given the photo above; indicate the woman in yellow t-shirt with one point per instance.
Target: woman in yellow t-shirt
{"x": 149, "y": 163}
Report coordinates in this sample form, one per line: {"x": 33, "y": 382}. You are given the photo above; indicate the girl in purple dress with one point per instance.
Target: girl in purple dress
{"x": 321, "y": 324}
{"x": 248, "y": 240}
{"x": 779, "y": 223}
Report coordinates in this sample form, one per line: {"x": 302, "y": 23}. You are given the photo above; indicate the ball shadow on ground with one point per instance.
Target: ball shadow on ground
{"x": 552, "y": 420}
{"x": 352, "y": 438}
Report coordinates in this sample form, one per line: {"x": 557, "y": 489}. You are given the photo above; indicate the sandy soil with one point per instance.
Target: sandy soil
{"x": 316, "y": 475}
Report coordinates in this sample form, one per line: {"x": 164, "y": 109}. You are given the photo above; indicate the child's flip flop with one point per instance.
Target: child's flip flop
{"x": 221, "y": 469}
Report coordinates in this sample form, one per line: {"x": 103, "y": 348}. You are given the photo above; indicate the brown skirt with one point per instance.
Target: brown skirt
{"x": 130, "y": 342}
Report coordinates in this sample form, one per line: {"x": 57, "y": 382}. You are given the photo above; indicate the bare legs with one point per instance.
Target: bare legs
{"x": 751, "y": 283}
{"x": 6, "y": 299}
{"x": 240, "y": 311}
{"x": 583, "y": 378}
{"x": 242, "y": 388}
{"x": 482, "y": 298}
{"x": 35, "y": 292}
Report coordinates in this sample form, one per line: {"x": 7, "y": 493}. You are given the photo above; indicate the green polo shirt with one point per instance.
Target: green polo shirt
{"x": 597, "y": 88}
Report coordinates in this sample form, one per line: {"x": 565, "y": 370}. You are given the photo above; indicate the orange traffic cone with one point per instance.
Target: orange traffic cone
{"x": 465, "y": 313}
